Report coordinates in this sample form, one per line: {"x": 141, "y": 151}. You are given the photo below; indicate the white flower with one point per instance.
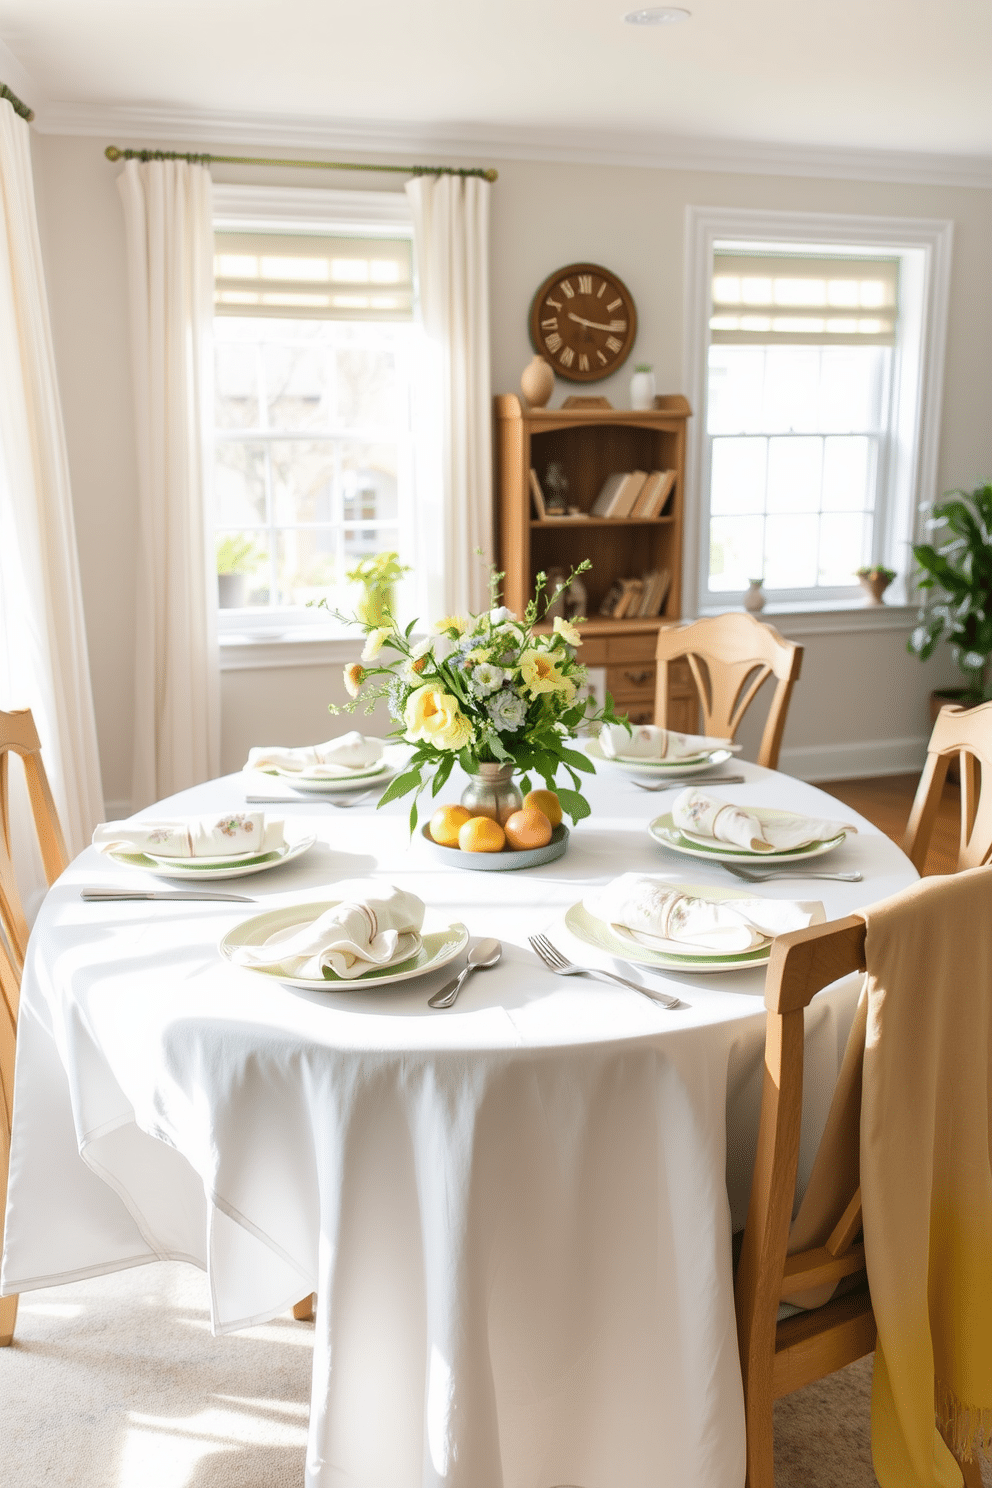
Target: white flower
{"x": 374, "y": 642}
{"x": 500, "y": 614}
{"x": 486, "y": 678}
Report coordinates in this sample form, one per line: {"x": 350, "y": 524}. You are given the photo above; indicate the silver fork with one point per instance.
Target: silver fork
{"x": 762, "y": 875}
{"x": 686, "y": 781}
{"x": 561, "y": 966}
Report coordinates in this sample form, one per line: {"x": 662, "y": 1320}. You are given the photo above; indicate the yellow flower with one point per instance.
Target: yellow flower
{"x": 354, "y": 676}
{"x": 375, "y": 640}
{"x": 568, "y": 632}
{"x": 458, "y": 623}
{"x": 539, "y": 672}
{"x": 434, "y": 716}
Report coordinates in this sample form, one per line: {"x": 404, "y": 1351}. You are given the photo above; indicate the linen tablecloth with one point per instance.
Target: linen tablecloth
{"x": 516, "y": 1214}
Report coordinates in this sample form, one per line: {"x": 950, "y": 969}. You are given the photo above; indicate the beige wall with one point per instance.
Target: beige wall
{"x": 861, "y": 699}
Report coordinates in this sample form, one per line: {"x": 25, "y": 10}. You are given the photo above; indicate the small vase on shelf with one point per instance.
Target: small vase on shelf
{"x": 642, "y": 387}
{"x": 493, "y": 792}
{"x": 537, "y": 382}
{"x": 875, "y": 581}
{"x": 754, "y": 599}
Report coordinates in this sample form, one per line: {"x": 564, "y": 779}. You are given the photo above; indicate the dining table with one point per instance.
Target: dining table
{"x": 516, "y": 1213}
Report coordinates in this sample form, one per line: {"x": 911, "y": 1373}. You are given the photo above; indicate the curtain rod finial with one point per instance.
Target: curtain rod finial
{"x": 491, "y": 175}
{"x": 112, "y": 152}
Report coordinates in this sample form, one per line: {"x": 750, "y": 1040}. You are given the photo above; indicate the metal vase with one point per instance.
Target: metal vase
{"x": 492, "y": 791}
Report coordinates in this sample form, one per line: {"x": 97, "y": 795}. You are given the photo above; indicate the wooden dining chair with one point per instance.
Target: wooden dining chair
{"x": 780, "y": 1355}
{"x": 18, "y": 735}
{"x": 729, "y": 658}
{"x": 967, "y": 734}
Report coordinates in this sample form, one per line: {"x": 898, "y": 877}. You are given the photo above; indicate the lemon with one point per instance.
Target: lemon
{"x": 481, "y": 834}
{"x": 446, "y": 823}
{"x": 527, "y": 828}
{"x": 547, "y": 802}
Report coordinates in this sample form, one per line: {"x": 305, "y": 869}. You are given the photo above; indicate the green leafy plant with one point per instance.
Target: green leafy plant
{"x": 237, "y": 554}
{"x": 482, "y": 689}
{"x": 957, "y": 575}
{"x": 377, "y": 575}
{"x": 875, "y": 571}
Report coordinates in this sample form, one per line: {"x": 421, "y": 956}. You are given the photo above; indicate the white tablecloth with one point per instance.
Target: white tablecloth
{"x": 515, "y": 1213}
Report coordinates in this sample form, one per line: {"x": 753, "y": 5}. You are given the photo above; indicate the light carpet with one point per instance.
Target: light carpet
{"x": 117, "y": 1382}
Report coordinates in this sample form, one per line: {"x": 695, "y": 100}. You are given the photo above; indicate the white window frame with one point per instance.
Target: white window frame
{"x": 248, "y": 640}
{"x": 924, "y": 249}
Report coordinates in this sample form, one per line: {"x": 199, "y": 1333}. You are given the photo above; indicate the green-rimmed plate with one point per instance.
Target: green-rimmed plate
{"x": 325, "y": 784}
{"x": 665, "y": 832}
{"x": 696, "y": 764}
{"x": 440, "y": 944}
{"x": 594, "y": 932}
{"x": 211, "y": 868}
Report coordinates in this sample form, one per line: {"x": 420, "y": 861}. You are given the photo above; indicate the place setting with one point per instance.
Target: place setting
{"x": 658, "y": 759}
{"x": 752, "y": 842}
{"x": 198, "y": 849}
{"x": 344, "y": 771}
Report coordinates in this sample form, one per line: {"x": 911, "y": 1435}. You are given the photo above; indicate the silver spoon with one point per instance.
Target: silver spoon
{"x": 484, "y": 955}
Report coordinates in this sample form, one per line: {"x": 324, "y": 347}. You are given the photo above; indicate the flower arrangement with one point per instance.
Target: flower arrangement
{"x": 378, "y": 576}
{"x": 482, "y": 689}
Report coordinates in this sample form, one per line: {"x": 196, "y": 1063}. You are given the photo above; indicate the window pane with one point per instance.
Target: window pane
{"x": 845, "y": 545}
{"x": 735, "y": 551}
{"x": 846, "y": 466}
{"x": 239, "y": 483}
{"x": 246, "y": 555}
{"x": 794, "y": 474}
{"x": 791, "y": 551}
{"x": 792, "y": 376}
{"x": 235, "y": 385}
{"x": 295, "y": 386}
{"x": 736, "y": 378}
{"x": 737, "y": 476}
{"x": 367, "y": 392}
{"x": 851, "y": 386}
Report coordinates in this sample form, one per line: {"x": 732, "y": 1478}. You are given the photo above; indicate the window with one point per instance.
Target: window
{"x": 315, "y": 353}
{"x": 812, "y": 387}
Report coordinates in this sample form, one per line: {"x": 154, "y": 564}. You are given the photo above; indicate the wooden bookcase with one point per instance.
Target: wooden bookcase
{"x": 591, "y": 443}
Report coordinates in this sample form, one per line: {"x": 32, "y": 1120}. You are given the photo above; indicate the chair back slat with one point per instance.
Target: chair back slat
{"x": 730, "y": 657}
{"x": 967, "y": 734}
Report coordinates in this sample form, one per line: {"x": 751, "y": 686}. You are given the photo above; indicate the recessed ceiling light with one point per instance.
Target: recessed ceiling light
{"x": 658, "y": 15}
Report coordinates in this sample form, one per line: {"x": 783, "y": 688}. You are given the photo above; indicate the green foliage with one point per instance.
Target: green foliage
{"x": 876, "y": 571}
{"x": 957, "y": 578}
{"x": 237, "y": 554}
{"x": 380, "y": 571}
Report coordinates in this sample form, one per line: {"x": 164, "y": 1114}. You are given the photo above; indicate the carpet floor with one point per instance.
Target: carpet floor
{"x": 117, "y": 1382}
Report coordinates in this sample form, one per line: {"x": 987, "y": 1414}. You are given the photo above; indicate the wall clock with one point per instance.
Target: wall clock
{"x": 583, "y": 321}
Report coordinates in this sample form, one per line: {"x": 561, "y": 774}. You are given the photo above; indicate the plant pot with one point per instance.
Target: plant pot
{"x": 232, "y": 590}
{"x": 642, "y": 390}
{"x": 493, "y": 792}
{"x": 939, "y": 699}
{"x": 374, "y": 604}
{"x": 754, "y": 599}
{"x": 874, "y": 586}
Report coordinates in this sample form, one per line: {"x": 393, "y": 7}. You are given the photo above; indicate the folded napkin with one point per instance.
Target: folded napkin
{"x": 374, "y": 926}
{"x": 708, "y": 816}
{"x": 343, "y": 756}
{"x": 233, "y": 836}
{"x": 662, "y": 917}
{"x": 652, "y": 743}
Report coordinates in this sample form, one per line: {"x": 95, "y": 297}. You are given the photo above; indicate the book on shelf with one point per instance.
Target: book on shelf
{"x": 654, "y": 593}
{"x": 537, "y": 494}
{"x": 626, "y": 498}
{"x": 654, "y": 493}
{"x": 609, "y": 490}
{"x": 629, "y": 603}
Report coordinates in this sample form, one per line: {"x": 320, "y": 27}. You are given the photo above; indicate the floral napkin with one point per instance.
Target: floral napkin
{"x": 756, "y": 831}
{"x": 649, "y": 742}
{"x": 663, "y": 917}
{"x": 348, "y": 754}
{"x": 236, "y": 835}
{"x": 374, "y": 926}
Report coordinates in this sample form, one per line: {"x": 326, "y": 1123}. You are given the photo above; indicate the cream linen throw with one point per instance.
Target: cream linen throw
{"x": 919, "y": 1063}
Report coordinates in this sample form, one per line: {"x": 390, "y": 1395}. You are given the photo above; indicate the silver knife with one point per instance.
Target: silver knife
{"x": 96, "y": 896}
{"x": 687, "y": 780}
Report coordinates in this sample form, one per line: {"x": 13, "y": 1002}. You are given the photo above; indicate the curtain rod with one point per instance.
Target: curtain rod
{"x": 16, "y": 104}
{"x": 113, "y": 153}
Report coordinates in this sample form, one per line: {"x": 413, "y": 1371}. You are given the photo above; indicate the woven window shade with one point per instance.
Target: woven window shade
{"x": 313, "y": 277}
{"x": 779, "y": 299}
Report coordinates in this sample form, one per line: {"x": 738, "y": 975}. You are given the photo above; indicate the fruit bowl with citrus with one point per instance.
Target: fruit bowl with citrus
{"x": 531, "y": 835}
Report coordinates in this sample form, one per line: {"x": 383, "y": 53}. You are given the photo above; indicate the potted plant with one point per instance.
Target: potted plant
{"x": 238, "y": 557}
{"x": 875, "y": 578}
{"x": 378, "y": 576}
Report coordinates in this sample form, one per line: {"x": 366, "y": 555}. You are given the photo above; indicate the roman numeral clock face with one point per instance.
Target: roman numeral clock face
{"x": 583, "y": 321}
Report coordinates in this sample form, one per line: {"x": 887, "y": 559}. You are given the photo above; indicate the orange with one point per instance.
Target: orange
{"x": 547, "y": 802}
{"x": 481, "y": 834}
{"x": 527, "y": 828}
{"x": 446, "y": 823}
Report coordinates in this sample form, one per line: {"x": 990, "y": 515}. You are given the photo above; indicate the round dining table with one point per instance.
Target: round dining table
{"x": 516, "y": 1213}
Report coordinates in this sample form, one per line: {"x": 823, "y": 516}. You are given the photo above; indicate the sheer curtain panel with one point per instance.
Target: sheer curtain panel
{"x": 169, "y": 231}
{"x": 454, "y": 497}
{"x": 44, "y": 663}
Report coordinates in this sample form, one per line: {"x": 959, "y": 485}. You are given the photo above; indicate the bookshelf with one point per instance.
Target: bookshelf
{"x": 591, "y": 442}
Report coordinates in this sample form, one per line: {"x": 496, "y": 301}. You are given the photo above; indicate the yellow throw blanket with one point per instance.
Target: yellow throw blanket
{"x": 926, "y": 1178}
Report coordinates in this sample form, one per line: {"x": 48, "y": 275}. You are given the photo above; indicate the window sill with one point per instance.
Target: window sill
{"x": 241, "y": 651}
{"x": 832, "y": 617}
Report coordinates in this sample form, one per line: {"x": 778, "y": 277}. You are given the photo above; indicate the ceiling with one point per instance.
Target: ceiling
{"x": 878, "y": 75}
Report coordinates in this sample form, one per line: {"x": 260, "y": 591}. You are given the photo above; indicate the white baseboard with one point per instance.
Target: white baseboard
{"x": 852, "y": 761}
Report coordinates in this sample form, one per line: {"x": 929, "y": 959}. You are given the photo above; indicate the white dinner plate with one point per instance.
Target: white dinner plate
{"x": 441, "y": 943}
{"x": 323, "y": 785}
{"x": 620, "y": 943}
{"x": 696, "y": 764}
{"x": 665, "y": 832}
{"x": 212, "y": 868}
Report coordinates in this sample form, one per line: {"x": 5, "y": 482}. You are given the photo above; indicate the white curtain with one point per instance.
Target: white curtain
{"x": 454, "y": 483}
{"x": 169, "y": 230}
{"x": 44, "y": 663}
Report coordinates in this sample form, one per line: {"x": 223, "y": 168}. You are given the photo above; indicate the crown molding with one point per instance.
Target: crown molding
{"x": 126, "y": 123}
